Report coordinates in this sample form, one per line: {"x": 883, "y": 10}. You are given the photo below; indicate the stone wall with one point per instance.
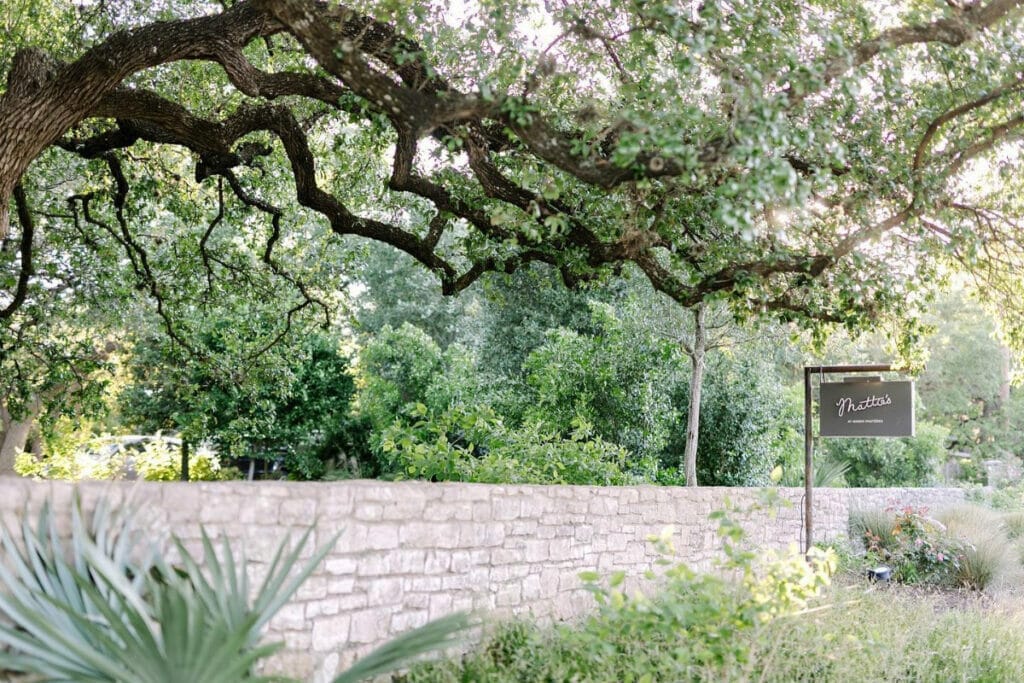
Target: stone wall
{"x": 409, "y": 552}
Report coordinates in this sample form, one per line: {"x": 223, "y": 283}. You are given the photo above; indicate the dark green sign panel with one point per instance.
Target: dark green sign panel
{"x": 875, "y": 408}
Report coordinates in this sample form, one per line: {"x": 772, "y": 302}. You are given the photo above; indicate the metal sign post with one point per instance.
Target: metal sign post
{"x": 870, "y": 408}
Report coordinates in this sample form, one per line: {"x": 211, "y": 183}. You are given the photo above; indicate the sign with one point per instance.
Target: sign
{"x": 872, "y": 408}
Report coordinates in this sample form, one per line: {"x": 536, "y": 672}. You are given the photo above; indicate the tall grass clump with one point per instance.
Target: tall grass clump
{"x": 987, "y": 553}
{"x": 1013, "y": 524}
{"x": 874, "y": 525}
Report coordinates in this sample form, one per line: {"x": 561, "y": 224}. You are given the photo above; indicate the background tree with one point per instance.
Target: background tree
{"x": 288, "y": 404}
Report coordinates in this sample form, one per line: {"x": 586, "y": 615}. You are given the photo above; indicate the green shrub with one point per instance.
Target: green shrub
{"x": 916, "y": 546}
{"x": 395, "y": 369}
{"x": 891, "y": 462}
{"x": 614, "y": 379}
{"x": 1004, "y": 498}
{"x": 849, "y": 635}
{"x": 106, "y": 457}
{"x": 693, "y": 625}
{"x": 463, "y": 444}
{"x": 747, "y": 424}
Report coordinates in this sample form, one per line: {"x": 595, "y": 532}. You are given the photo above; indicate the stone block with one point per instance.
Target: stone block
{"x": 385, "y": 591}
{"x": 506, "y": 509}
{"x": 340, "y": 585}
{"x": 437, "y": 562}
{"x": 369, "y": 626}
{"x": 291, "y": 617}
{"x": 369, "y": 512}
{"x": 330, "y": 633}
{"x": 338, "y": 566}
{"x": 373, "y": 564}
{"x": 508, "y": 596}
{"x": 382, "y": 537}
{"x": 404, "y": 509}
{"x": 440, "y": 605}
{"x": 297, "y": 511}
{"x": 536, "y": 550}
{"x": 409, "y": 561}
{"x": 298, "y": 665}
{"x": 408, "y": 620}
{"x": 430, "y": 535}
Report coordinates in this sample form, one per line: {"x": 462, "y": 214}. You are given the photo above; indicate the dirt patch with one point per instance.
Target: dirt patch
{"x": 1003, "y": 598}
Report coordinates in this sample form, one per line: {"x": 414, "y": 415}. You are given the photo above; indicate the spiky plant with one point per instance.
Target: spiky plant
{"x": 105, "y": 606}
{"x": 830, "y": 473}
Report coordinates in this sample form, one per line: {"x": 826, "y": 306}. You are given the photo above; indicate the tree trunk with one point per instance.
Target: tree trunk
{"x": 14, "y": 435}
{"x": 697, "y": 358}
{"x": 1004, "y": 375}
{"x": 184, "y": 459}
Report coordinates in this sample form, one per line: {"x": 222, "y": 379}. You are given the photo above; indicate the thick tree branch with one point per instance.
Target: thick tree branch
{"x": 25, "y": 270}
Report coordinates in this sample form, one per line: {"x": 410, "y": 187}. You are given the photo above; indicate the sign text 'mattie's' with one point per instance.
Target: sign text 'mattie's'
{"x": 848, "y": 405}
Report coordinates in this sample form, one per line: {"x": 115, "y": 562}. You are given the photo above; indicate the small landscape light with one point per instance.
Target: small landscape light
{"x": 880, "y": 573}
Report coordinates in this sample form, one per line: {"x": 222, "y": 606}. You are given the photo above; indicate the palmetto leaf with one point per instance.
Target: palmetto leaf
{"x": 116, "y": 611}
{"x": 108, "y": 608}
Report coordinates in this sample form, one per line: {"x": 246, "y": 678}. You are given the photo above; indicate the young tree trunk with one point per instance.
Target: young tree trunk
{"x": 14, "y": 435}
{"x": 184, "y": 459}
{"x": 697, "y": 359}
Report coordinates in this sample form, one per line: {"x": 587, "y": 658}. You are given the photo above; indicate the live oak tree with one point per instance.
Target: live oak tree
{"x": 819, "y": 162}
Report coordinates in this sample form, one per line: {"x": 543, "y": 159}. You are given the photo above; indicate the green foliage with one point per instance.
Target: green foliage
{"x": 746, "y": 421}
{"x": 158, "y": 461}
{"x": 520, "y": 310}
{"x": 292, "y": 404}
{"x": 1013, "y": 523}
{"x": 117, "y": 611}
{"x": 114, "y": 457}
{"x": 615, "y": 379}
{"x": 918, "y": 549}
{"x": 1008, "y": 498}
{"x": 869, "y": 635}
{"x": 693, "y": 625}
{"x": 875, "y": 526}
{"x": 891, "y": 462}
{"x": 466, "y": 444}
{"x": 856, "y": 636}
{"x": 107, "y": 607}
{"x": 396, "y": 368}
{"x": 401, "y": 291}
{"x": 966, "y": 546}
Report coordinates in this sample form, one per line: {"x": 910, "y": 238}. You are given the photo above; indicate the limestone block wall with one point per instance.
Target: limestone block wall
{"x": 409, "y": 552}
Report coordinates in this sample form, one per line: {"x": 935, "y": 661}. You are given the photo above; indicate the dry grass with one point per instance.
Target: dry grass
{"x": 990, "y": 559}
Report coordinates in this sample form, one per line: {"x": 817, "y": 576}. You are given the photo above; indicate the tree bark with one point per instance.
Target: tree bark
{"x": 184, "y": 459}
{"x": 1005, "y": 378}
{"x": 14, "y": 435}
{"x": 697, "y": 362}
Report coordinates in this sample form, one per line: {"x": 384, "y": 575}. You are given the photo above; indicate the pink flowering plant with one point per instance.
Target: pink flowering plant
{"x": 916, "y": 547}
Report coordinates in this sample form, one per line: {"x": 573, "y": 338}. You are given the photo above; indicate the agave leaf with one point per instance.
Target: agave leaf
{"x": 400, "y": 651}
